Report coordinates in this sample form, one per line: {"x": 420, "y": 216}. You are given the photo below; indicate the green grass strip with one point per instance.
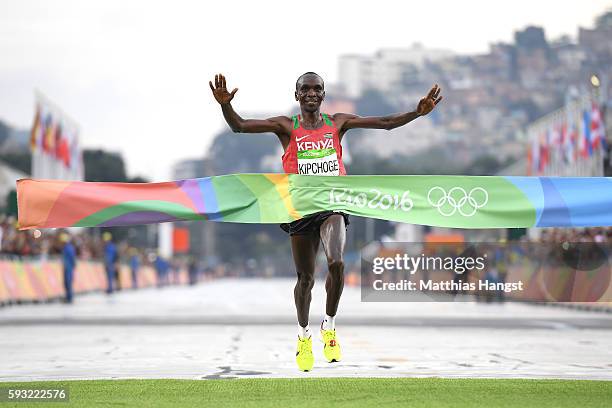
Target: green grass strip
{"x": 330, "y": 392}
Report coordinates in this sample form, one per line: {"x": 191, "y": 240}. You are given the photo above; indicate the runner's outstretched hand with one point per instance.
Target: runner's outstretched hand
{"x": 220, "y": 90}
{"x": 429, "y": 102}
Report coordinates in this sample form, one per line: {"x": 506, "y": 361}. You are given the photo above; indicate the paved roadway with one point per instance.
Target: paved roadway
{"x": 246, "y": 328}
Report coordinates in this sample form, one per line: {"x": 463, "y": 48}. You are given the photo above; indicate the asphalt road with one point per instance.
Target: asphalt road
{"x": 246, "y": 328}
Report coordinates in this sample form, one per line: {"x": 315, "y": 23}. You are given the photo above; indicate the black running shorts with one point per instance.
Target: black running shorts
{"x": 311, "y": 223}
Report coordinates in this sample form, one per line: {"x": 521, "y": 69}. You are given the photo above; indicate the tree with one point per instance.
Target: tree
{"x": 18, "y": 161}
{"x": 485, "y": 165}
{"x": 103, "y": 166}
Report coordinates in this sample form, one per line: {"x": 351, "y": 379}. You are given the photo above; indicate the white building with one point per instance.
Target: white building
{"x": 385, "y": 69}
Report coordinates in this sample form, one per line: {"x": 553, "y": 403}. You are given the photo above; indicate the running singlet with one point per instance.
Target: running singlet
{"x": 314, "y": 152}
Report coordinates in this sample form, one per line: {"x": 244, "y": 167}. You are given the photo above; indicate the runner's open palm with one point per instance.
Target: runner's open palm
{"x": 429, "y": 102}
{"x": 220, "y": 90}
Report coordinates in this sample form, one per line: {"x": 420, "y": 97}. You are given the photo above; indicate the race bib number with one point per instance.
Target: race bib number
{"x": 322, "y": 162}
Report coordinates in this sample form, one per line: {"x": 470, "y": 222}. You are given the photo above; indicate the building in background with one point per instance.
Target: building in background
{"x": 385, "y": 70}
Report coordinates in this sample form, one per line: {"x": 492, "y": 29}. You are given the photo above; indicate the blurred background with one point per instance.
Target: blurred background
{"x": 117, "y": 91}
{"x": 113, "y": 92}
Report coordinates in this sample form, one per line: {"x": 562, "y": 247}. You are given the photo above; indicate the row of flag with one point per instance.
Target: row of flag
{"x": 55, "y": 140}
{"x": 573, "y": 136}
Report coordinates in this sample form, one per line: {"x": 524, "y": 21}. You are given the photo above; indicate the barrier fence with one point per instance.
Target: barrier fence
{"x": 569, "y": 274}
{"x": 38, "y": 281}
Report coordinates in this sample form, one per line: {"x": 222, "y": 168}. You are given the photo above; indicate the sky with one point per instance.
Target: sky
{"x": 134, "y": 74}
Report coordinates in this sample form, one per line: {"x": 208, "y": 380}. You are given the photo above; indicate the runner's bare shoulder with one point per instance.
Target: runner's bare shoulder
{"x": 284, "y": 121}
{"x": 340, "y": 117}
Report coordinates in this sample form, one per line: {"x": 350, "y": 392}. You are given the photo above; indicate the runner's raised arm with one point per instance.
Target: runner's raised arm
{"x": 347, "y": 121}
{"x": 279, "y": 124}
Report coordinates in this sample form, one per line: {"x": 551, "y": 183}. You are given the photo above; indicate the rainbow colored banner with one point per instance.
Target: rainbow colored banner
{"x": 445, "y": 201}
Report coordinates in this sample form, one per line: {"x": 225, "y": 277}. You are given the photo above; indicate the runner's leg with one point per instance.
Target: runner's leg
{"x": 333, "y": 237}
{"x": 304, "y": 249}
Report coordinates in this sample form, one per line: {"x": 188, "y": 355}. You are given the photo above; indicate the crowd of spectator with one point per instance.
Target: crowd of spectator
{"x": 35, "y": 243}
{"x": 560, "y": 235}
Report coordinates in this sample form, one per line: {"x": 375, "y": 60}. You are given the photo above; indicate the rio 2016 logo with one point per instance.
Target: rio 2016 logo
{"x": 380, "y": 200}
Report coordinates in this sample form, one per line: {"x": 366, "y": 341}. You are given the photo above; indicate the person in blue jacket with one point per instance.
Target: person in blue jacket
{"x": 134, "y": 264}
{"x": 110, "y": 260}
{"x": 69, "y": 261}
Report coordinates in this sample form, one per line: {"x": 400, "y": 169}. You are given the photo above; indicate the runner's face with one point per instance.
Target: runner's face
{"x": 310, "y": 93}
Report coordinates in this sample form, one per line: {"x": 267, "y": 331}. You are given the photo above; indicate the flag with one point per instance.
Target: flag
{"x": 555, "y": 136}
{"x": 535, "y": 155}
{"x": 49, "y": 137}
{"x": 554, "y": 140}
{"x": 586, "y": 149}
{"x": 35, "y": 132}
{"x": 573, "y": 135}
{"x": 529, "y": 160}
{"x": 58, "y": 139}
{"x": 59, "y": 155}
{"x": 598, "y": 130}
{"x": 62, "y": 151}
{"x": 544, "y": 152}
{"x": 568, "y": 143}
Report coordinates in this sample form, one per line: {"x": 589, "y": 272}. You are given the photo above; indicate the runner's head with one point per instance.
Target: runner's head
{"x": 310, "y": 91}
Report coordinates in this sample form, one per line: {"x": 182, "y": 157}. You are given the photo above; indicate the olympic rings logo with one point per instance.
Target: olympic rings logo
{"x": 457, "y": 199}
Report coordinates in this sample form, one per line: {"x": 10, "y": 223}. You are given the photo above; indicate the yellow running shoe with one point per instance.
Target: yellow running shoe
{"x": 303, "y": 356}
{"x": 331, "y": 347}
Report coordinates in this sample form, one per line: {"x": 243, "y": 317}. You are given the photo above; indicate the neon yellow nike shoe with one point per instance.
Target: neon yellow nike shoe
{"x": 331, "y": 347}
{"x": 303, "y": 356}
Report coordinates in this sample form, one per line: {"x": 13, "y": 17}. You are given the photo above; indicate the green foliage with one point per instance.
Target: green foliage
{"x": 18, "y": 161}
{"x": 103, "y": 166}
{"x": 11, "y": 203}
{"x": 4, "y": 132}
{"x": 138, "y": 179}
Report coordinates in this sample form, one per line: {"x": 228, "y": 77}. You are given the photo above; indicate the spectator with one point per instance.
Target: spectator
{"x": 134, "y": 265}
{"x": 69, "y": 260}
{"x": 161, "y": 267}
{"x": 110, "y": 261}
{"x": 193, "y": 270}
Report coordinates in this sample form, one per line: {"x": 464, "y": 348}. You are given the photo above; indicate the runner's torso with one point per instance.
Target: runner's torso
{"x": 315, "y": 152}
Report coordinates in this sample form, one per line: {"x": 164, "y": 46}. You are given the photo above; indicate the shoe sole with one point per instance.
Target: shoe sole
{"x": 304, "y": 371}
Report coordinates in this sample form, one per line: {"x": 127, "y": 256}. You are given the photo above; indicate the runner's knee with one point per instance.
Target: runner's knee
{"x": 305, "y": 281}
{"x": 335, "y": 264}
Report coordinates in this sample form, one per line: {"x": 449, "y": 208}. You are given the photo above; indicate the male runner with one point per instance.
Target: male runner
{"x": 311, "y": 142}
